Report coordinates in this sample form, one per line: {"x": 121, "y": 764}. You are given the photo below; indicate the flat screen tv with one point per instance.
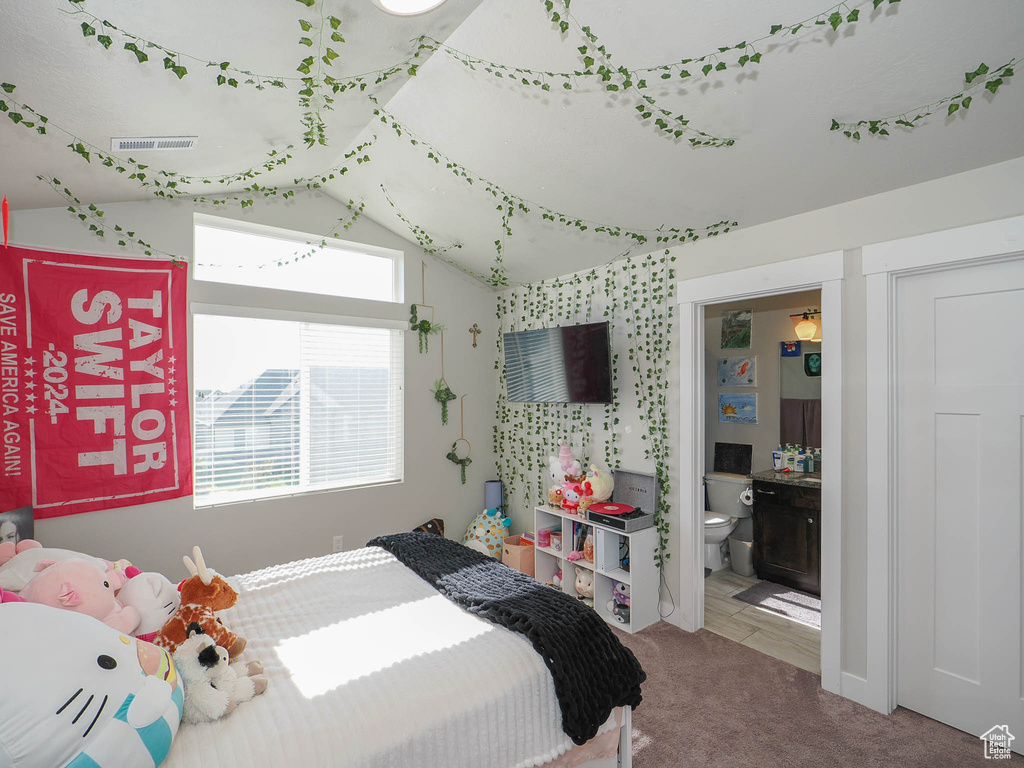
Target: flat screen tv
{"x": 568, "y": 364}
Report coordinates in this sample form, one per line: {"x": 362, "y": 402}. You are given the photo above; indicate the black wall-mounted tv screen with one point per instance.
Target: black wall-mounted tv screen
{"x": 570, "y": 364}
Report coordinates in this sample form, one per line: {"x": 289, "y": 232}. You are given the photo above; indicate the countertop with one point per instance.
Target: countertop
{"x": 805, "y": 479}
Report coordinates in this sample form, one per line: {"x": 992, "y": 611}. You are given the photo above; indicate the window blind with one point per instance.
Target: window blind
{"x": 288, "y": 407}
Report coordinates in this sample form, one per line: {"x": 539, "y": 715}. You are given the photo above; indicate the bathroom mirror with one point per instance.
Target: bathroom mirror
{"x": 800, "y": 393}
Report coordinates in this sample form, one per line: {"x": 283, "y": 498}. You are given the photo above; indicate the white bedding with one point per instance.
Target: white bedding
{"x": 370, "y": 666}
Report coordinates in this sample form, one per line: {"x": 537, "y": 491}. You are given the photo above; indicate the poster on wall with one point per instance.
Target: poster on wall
{"x": 737, "y": 408}
{"x": 93, "y": 382}
{"x": 16, "y": 525}
{"x": 736, "y": 328}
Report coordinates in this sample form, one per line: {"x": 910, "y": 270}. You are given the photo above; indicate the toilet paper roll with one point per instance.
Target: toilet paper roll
{"x": 747, "y": 497}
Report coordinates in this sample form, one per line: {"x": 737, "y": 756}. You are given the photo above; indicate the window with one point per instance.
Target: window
{"x": 292, "y": 262}
{"x": 284, "y": 404}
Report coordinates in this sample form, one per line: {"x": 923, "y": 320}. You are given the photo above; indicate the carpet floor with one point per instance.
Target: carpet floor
{"x": 710, "y": 703}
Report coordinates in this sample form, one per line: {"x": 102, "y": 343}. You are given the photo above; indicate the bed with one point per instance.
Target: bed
{"x": 370, "y": 666}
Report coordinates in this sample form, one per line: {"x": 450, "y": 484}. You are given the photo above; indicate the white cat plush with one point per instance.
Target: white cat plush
{"x": 79, "y": 693}
{"x": 154, "y": 597}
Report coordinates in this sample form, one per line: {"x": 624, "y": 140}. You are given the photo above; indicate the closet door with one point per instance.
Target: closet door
{"x": 960, "y": 416}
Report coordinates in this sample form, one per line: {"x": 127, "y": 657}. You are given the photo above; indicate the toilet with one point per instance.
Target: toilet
{"x": 726, "y": 511}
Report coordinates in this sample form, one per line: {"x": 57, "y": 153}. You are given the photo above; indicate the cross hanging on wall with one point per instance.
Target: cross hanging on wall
{"x": 475, "y": 330}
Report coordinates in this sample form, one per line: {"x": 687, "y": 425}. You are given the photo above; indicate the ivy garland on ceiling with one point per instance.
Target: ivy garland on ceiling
{"x": 990, "y": 80}
{"x": 509, "y": 203}
{"x": 314, "y": 97}
{"x": 314, "y": 94}
{"x": 634, "y": 295}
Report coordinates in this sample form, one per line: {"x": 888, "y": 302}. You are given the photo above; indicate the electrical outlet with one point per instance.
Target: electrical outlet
{"x": 339, "y": 543}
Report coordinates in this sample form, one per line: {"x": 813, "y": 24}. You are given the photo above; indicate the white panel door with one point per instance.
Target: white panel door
{"x": 960, "y": 416}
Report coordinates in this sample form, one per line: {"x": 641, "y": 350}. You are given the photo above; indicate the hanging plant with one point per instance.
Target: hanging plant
{"x": 444, "y": 395}
{"x": 425, "y": 328}
{"x": 453, "y": 457}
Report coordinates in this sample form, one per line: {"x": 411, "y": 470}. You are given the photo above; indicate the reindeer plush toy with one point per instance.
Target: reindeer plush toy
{"x": 201, "y": 595}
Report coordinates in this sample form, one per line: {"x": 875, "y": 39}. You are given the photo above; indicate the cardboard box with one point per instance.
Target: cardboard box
{"x": 515, "y": 554}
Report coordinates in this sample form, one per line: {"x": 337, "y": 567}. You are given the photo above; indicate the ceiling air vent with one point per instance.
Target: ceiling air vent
{"x": 138, "y": 143}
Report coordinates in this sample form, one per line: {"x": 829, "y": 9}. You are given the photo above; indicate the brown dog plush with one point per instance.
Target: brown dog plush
{"x": 201, "y": 595}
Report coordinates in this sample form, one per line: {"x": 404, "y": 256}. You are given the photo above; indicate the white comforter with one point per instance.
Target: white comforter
{"x": 370, "y": 666}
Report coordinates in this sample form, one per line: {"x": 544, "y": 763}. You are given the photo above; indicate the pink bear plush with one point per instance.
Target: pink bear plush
{"x": 81, "y": 586}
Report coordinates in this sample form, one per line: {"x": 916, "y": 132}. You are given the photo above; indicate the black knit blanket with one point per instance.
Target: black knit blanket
{"x": 593, "y": 672}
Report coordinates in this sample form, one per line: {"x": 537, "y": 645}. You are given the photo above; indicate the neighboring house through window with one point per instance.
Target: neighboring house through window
{"x": 287, "y": 400}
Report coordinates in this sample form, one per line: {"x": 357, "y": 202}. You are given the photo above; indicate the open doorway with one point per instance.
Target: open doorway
{"x": 762, "y": 411}
{"x": 823, "y": 272}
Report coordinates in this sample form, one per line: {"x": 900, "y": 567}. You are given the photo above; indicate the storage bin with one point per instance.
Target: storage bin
{"x": 518, "y": 555}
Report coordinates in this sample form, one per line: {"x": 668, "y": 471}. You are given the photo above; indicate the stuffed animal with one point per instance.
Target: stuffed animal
{"x": 487, "y": 531}
{"x": 618, "y": 606}
{"x": 199, "y": 660}
{"x": 81, "y": 586}
{"x": 575, "y": 495}
{"x": 20, "y": 568}
{"x": 556, "y": 476}
{"x": 78, "y": 693}
{"x": 155, "y": 598}
{"x": 9, "y": 549}
{"x": 585, "y": 585}
{"x": 556, "y": 580}
{"x": 601, "y": 484}
{"x": 621, "y": 613}
{"x": 570, "y": 466}
{"x": 11, "y": 597}
{"x": 201, "y": 595}
{"x": 240, "y": 681}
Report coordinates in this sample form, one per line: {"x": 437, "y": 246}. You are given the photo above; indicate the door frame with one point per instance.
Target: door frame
{"x": 884, "y": 264}
{"x": 825, "y": 272}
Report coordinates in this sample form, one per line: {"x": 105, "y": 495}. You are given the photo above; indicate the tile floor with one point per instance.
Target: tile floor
{"x": 762, "y": 630}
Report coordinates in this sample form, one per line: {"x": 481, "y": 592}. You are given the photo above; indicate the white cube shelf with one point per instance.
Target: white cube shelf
{"x": 609, "y": 543}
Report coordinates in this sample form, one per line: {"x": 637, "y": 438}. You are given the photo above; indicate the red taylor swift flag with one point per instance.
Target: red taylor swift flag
{"x": 93, "y": 382}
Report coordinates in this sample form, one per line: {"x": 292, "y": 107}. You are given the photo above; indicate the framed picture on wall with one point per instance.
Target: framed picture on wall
{"x": 737, "y": 371}
{"x": 812, "y": 364}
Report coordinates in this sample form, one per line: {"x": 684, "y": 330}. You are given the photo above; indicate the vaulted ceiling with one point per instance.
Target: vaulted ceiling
{"x": 585, "y": 152}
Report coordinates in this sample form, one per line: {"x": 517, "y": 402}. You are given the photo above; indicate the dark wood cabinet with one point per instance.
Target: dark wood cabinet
{"x": 787, "y": 535}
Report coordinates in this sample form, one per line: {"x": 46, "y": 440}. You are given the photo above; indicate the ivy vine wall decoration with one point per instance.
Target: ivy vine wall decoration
{"x": 634, "y": 296}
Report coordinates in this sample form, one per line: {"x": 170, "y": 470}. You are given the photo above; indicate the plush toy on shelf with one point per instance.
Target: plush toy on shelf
{"x": 618, "y": 606}
{"x": 570, "y": 466}
{"x": 201, "y": 595}
{"x": 556, "y": 476}
{"x": 84, "y": 587}
{"x": 601, "y": 484}
{"x": 487, "y": 531}
{"x": 78, "y": 693}
{"x": 556, "y": 580}
{"x": 585, "y": 585}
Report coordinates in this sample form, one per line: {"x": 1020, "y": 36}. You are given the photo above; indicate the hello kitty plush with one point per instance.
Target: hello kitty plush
{"x": 557, "y": 479}
{"x": 76, "y": 692}
{"x": 585, "y": 585}
{"x": 155, "y": 598}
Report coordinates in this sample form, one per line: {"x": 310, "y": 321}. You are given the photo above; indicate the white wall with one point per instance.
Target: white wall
{"x": 984, "y": 194}
{"x": 771, "y": 323}
{"x": 240, "y": 537}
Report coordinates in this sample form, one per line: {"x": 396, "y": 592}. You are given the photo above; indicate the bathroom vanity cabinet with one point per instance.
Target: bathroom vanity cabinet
{"x": 787, "y": 530}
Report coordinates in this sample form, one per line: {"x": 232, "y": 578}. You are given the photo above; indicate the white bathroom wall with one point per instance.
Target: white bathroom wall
{"x": 241, "y": 537}
{"x": 984, "y": 194}
{"x": 770, "y": 324}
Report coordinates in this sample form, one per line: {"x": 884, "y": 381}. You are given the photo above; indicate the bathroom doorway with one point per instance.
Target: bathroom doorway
{"x": 823, "y": 272}
{"x": 762, "y": 398}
